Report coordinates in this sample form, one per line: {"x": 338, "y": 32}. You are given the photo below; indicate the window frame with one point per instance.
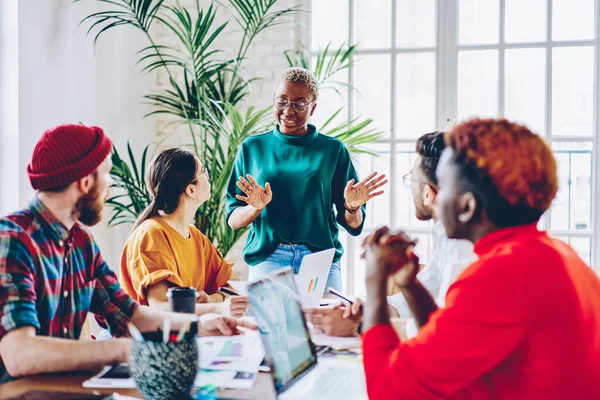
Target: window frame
{"x": 446, "y": 52}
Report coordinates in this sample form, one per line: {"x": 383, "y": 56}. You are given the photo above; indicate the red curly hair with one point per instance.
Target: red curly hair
{"x": 519, "y": 163}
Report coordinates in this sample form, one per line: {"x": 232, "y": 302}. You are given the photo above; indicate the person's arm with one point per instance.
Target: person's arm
{"x": 243, "y": 201}
{"x": 419, "y": 300}
{"x": 255, "y": 196}
{"x": 148, "y": 319}
{"x": 485, "y": 319}
{"x": 355, "y": 220}
{"x": 23, "y": 353}
{"x": 218, "y": 272}
{"x": 243, "y": 216}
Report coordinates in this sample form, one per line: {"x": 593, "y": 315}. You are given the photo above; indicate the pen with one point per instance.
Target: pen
{"x": 341, "y": 296}
{"x": 228, "y": 291}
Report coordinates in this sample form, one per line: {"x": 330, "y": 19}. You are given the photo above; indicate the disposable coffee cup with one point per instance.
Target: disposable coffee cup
{"x": 182, "y": 299}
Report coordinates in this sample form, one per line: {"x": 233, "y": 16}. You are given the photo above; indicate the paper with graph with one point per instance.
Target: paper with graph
{"x": 231, "y": 353}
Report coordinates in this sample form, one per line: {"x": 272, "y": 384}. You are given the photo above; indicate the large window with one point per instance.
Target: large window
{"x": 424, "y": 65}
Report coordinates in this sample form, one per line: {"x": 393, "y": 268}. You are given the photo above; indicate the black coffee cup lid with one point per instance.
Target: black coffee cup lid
{"x": 182, "y": 292}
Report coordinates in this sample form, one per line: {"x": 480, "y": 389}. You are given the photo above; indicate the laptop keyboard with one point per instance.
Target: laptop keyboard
{"x": 332, "y": 383}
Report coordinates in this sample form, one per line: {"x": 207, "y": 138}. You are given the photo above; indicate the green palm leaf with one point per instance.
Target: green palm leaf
{"x": 204, "y": 89}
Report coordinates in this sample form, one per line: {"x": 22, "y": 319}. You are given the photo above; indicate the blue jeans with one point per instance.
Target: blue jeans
{"x": 291, "y": 255}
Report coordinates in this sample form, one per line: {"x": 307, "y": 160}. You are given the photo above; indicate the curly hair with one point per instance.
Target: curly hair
{"x": 430, "y": 146}
{"x": 302, "y": 76}
{"x": 512, "y": 169}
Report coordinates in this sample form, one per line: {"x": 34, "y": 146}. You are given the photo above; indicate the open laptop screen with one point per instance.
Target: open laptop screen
{"x": 276, "y": 307}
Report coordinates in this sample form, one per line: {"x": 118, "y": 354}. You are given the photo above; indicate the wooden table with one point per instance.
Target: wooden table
{"x": 263, "y": 386}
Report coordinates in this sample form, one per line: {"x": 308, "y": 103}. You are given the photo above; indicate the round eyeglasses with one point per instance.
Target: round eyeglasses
{"x": 300, "y": 107}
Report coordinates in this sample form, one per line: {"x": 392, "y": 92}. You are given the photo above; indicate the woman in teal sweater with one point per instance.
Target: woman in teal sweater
{"x": 286, "y": 182}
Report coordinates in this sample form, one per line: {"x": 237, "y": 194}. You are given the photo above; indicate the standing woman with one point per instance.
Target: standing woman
{"x": 286, "y": 182}
{"x": 164, "y": 250}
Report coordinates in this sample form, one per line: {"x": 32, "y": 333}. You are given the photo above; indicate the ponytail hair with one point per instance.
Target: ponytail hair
{"x": 149, "y": 212}
{"x": 169, "y": 175}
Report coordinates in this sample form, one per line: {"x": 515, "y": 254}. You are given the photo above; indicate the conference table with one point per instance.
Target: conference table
{"x": 72, "y": 383}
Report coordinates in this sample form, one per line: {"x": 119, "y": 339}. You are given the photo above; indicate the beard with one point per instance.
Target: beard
{"x": 88, "y": 209}
{"x": 422, "y": 212}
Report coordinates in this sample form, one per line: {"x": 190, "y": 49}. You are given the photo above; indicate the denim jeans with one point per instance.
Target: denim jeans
{"x": 291, "y": 255}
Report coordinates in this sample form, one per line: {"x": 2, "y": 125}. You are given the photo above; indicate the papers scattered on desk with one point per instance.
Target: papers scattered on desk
{"x": 229, "y": 362}
{"x": 242, "y": 353}
{"x": 112, "y": 376}
{"x": 225, "y": 379}
{"x": 319, "y": 338}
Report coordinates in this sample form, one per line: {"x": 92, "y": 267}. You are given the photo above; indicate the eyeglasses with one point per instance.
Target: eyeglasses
{"x": 203, "y": 171}
{"x": 407, "y": 180}
{"x": 300, "y": 107}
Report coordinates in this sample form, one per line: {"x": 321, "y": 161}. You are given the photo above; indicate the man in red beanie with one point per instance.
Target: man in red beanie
{"x": 51, "y": 270}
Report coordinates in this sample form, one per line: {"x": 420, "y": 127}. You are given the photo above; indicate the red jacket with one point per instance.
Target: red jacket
{"x": 522, "y": 322}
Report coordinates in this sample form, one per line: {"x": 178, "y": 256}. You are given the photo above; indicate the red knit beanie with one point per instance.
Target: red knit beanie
{"x": 66, "y": 154}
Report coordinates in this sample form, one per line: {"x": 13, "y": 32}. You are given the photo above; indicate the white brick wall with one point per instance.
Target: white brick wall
{"x": 264, "y": 60}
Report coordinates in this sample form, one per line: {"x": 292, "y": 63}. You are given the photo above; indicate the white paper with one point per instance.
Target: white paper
{"x": 242, "y": 353}
{"x": 225, "y": 379}
{"x": 97, "y": 381}
{"x": 319, "y": 338}
{"x": 239, "y": 286}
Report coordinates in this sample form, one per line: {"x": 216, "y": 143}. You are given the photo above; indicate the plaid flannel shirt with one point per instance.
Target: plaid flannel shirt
{"x": 50, "y": 277}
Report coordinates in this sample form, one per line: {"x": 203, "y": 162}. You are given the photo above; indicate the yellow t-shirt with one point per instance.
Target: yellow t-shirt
{"x": 155, "y": 251}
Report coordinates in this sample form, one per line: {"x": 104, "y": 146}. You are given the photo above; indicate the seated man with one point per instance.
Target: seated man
{"x": 522, "y": 321}
{"x": 450, "y": 257}
{"x": 51, "y": 270}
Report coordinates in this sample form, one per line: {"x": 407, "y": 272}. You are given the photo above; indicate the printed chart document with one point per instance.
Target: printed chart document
{"x": 242, "y": 353}
{"x": 112, "y": 376}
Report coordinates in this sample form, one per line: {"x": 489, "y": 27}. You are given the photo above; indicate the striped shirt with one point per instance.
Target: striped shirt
{"x": 50, "y": 277}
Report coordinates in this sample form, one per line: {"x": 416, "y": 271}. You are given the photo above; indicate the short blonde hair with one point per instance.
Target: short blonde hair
{"x": 302, "y": 76}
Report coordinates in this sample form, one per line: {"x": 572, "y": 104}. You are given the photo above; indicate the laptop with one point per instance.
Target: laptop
{"x": 297, "y": 374}
{"x": 312, "y": 277}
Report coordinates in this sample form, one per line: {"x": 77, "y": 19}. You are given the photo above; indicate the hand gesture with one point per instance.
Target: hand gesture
{"x": 256, "y": 196}
{"x": 352, "y": 311}
{"x": 358, "y": 194}
{"x": 219, "y": 325}
{"x": 236, "y": 306}
{"x": 391, "y": 254}
{"x": 202, "y": 297}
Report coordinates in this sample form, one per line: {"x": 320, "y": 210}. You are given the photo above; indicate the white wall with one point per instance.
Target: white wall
{"x": 9, "y": 101}
{"x": 61, "y": 80}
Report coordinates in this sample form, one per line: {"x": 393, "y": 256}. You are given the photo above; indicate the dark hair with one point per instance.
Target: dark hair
{"x": 430, "y": 146}
{"x": 510, "y": 170}
{"x": 169, "y": 175}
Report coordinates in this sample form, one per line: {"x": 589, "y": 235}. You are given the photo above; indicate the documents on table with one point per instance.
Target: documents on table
{"x": 319, "y": 338}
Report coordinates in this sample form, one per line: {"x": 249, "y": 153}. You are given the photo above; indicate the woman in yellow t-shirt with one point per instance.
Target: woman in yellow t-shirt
{"x": 164, "y": 250}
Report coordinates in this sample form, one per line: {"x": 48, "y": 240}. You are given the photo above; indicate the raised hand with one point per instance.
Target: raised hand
{"x": 256, "y": 196}
{"x": 358, "y": 194}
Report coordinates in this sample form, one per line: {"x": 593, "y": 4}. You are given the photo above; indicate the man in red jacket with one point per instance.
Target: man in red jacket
{"x": 523, "y": 321}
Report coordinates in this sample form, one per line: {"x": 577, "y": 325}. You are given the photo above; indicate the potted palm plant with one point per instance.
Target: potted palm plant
{"x": 205, "y": 91}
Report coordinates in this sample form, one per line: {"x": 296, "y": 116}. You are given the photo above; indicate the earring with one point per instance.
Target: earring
{"x": 463, "y": 218}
